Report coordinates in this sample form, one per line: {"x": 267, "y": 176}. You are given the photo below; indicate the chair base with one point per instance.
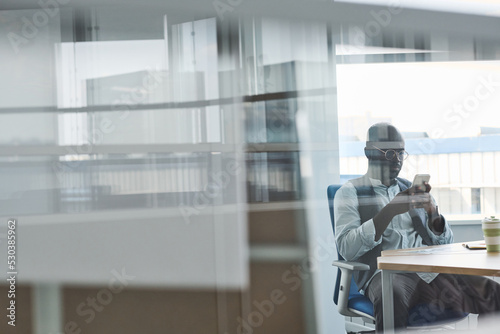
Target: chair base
{"x": 357, "y": 325}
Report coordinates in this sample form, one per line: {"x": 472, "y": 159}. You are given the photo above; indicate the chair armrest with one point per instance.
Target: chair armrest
{"x": 351, "y": 265}
{"x": 346, "y": 268}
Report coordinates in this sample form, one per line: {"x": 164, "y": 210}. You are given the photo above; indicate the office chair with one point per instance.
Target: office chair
{"x": 352, "y": 304}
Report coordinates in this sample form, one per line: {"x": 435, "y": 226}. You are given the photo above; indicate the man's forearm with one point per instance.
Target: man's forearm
{"x": 382, "y": 220}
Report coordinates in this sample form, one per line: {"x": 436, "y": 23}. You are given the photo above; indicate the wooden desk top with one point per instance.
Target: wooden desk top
{"x": 449, "y": 259}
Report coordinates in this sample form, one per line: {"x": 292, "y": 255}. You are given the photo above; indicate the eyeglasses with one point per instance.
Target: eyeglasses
{"x": 391, "y": 154}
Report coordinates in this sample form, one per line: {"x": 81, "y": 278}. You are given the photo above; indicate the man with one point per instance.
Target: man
{"x": 381, "y": 211}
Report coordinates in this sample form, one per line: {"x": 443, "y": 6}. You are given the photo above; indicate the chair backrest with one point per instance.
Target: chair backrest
{"x": 353, "y": 292}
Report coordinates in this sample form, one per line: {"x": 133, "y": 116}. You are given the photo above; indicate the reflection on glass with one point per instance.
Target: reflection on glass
{"x": 275, "y": 121}
{"x": 111, "y": 72}
{"x": 111, "y": 182}
{"x": 111, "y": 91}
{"x": 159, "y": 126}
{"x": 451, "y": 133}
{"x": 273, "y": 176}
{"x": 271, "y": 121}
{"x": 27, "y": 53}
{"x": 131, "y": 72}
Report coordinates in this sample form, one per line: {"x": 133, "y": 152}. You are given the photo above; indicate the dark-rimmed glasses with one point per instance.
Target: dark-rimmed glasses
{"x": 391, "y": 154}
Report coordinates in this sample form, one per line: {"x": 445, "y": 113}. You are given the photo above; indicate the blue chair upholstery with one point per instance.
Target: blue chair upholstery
{"x": 359, "y": 305}
{"x": 362, "y": 304}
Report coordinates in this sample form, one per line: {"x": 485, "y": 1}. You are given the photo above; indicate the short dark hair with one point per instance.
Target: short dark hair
{"x": 382, "y": 136}
{"x": 383, "y": 132}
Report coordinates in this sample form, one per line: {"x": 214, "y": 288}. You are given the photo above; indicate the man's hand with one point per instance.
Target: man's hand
{"x": 409, "y": 199}
{"x": 413, "y": 197}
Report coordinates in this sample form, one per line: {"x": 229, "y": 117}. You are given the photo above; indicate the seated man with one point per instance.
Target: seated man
{"x": 381, "y": 211}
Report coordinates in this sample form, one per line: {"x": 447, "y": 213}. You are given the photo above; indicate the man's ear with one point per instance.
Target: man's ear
{"x": 368, "y": 153}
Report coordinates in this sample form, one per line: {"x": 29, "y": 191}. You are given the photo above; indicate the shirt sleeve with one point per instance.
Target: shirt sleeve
{"x": 353, "y": 238}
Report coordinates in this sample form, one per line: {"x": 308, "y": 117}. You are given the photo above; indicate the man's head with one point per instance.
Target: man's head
{"x": 385, "y": 151}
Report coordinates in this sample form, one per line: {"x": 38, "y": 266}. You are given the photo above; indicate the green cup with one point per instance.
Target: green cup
{"x": 491, "y": 231}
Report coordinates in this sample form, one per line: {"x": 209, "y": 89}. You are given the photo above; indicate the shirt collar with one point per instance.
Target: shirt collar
{"x": 378, "y": 183}
{"x": 375, "y": 182}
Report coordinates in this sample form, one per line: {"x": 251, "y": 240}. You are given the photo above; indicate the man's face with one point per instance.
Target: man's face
{"x": 388, "y": 162}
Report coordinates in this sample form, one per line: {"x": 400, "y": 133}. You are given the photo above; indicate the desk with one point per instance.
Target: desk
{"x": 449, "y": 259}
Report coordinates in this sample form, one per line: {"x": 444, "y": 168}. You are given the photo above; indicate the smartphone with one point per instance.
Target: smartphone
{"x": 419, "y": 180}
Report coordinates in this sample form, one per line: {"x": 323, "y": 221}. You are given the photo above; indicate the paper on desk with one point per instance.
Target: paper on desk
{"x": 441, "y": 249}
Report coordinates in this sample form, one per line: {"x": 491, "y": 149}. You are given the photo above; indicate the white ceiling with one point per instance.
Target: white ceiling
{"x": 476, "y": 18}
{"x": 477, "y": 7}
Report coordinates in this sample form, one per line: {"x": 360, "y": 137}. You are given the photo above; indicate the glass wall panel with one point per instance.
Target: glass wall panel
{"x": 179, "y": 123}
{"x": 113, "y": 111}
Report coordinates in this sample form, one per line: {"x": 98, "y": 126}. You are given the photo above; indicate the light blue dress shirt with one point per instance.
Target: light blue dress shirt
{"x": 355, "y": 239}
